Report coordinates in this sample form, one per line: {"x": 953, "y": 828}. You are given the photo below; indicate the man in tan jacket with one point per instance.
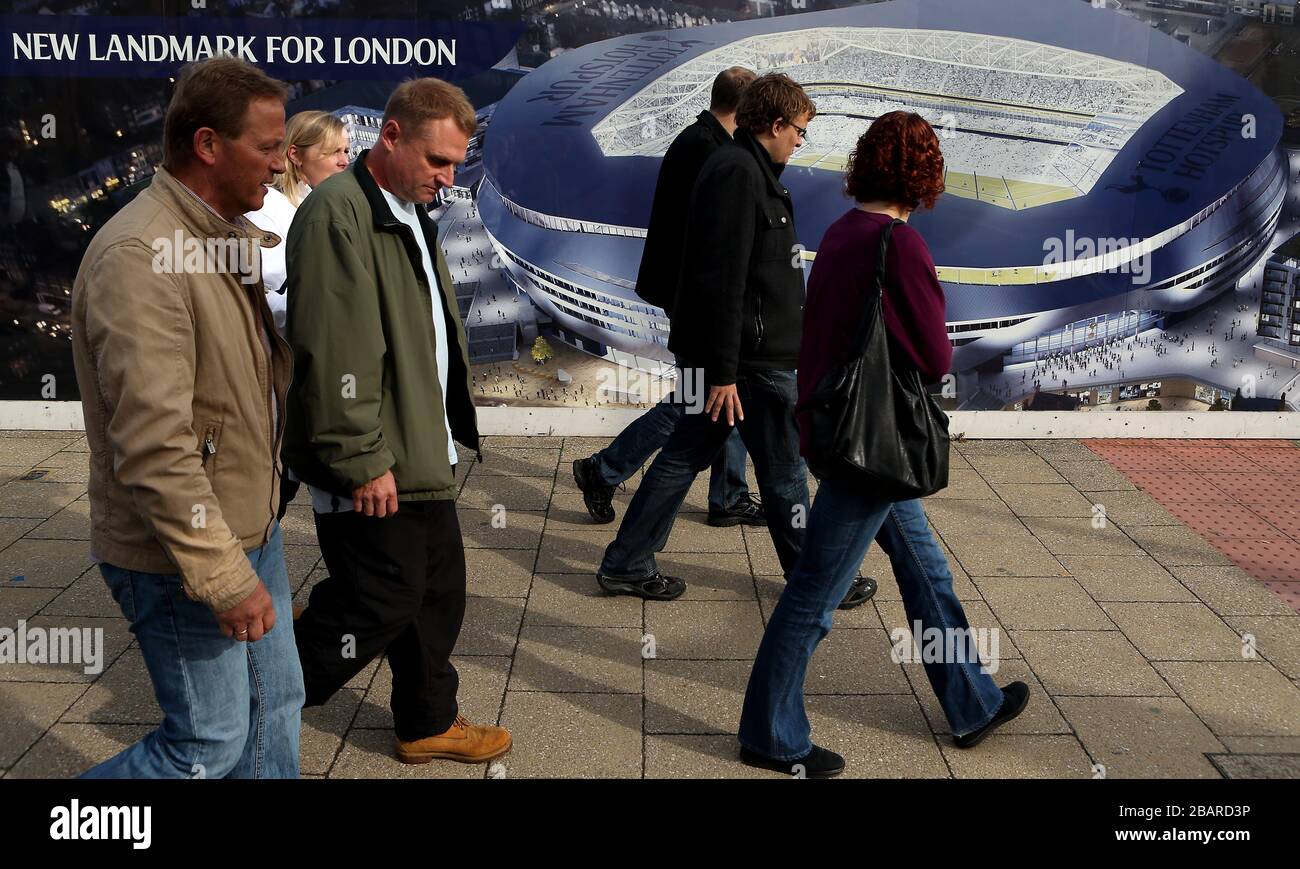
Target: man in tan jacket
{"x": 183, "y": 378}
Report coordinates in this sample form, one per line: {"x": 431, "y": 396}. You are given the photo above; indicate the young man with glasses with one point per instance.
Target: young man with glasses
{"x": 738, "y": 318}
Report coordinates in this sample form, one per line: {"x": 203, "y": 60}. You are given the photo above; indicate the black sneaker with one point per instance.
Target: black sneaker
{"x": 818, "y": 763}
{"x": 598, "y": 497}
{"x": 861, "y": 591}
{"x": 1014, "y": 699}
{"x": 654, "y": 587}
{"x": 747, "y": 511}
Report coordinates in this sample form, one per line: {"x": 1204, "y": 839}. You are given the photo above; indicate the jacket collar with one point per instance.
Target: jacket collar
{"x": 379, "y": 209}
{"x": 199, "y": 216}
{"x": 771, "y": 169}
{"x": 714, "y": 126}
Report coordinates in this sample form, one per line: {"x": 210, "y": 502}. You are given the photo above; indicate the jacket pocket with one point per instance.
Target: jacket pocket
{"x": 209, "y": 443}
{"x": 758, "y": 322}
{"x": 775, "y": 236}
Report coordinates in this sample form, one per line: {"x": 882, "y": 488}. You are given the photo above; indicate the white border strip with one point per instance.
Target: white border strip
{"x": 975, "y": 424}
{"x": 41, "y": 416}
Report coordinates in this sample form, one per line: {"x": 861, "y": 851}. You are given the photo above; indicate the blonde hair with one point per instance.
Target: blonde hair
{"x": 306, "y": 130}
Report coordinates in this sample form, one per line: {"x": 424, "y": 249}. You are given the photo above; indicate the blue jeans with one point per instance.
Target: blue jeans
{"x": 649, "y": 432}
{"x": 768, "y": 432}
{"x": 840, "y": 530}
{"x": 230, "y": 709}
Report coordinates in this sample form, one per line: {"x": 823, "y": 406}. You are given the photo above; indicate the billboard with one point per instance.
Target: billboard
{"x": 1118, "y": 194}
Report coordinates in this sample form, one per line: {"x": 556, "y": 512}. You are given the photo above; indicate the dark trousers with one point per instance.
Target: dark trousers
{"x": 394, "y": 584}
{"x": 649, "y": 432}
{"x": 770, "y": 435}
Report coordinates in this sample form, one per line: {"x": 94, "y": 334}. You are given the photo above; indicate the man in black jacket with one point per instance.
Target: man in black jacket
{"x": 738, "y": 317}
{"x": 730, "y": 502}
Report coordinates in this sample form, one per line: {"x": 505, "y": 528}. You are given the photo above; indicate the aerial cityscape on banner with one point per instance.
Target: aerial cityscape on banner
{"x": 1119, "y": 229}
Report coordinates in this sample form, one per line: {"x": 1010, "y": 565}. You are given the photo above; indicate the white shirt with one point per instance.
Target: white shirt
{"x": 326, "y": 502}
{"x": 275, "y": 215}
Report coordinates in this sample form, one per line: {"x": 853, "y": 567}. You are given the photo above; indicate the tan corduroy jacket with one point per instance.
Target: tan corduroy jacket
{"x": 170, "y": 332}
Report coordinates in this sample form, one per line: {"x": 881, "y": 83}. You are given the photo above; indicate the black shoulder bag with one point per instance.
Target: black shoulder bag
{"x": 874, "y": 425}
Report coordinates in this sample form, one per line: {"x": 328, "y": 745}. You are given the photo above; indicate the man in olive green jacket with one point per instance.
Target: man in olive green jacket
{"x": 381, "y": 389}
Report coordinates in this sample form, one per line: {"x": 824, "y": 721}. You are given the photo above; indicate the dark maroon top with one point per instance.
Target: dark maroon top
{"x": 843, "y": 279}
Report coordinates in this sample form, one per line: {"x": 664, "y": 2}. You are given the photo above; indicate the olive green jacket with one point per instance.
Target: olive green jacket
{"x": 365, "y": 397}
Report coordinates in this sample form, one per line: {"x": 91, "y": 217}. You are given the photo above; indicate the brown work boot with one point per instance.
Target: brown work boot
{"x": 465, "y": 742}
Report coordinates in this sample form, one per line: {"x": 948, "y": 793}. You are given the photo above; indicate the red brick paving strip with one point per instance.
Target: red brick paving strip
{"x": 1242, "y": 496}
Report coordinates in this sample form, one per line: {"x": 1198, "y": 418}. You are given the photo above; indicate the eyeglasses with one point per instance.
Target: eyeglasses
{"x": 802, "y": 131}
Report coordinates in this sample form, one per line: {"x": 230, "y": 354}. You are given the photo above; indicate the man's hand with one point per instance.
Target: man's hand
{"x": 376, "y": 498}
{"x": 724, "y": 398}
{"x": 250, "y": 620}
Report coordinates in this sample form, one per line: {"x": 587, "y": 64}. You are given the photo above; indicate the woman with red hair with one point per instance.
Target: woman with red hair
{"x": 896, "y": 168}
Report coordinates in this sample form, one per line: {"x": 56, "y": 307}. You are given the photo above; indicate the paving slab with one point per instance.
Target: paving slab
{"x": 708, "y": 630}
{"x": 1243, "y": 698}
{"x": 1142, "y": 737}
{"x": 70, "y": 523}
{"x": 1044, "y": 499}
{"x": 574, "y": 659}
{"x": 68, "y": 750}
{"x": 1177, "y": 631}
{"x": 694, "y": 696}
{"x": 1089, "y": 663}
{"x": 1125, "y": 578}
{"x": 1229, "y": 590}
{"x": 499, "y": 572}
{"x": 1275, "y": 638}
{"x": 1042, "y": 603}
{"x": 1021, "y": 756}
{"x": 1285, "y": 766}
{"x": 27, "y": 711}
{"x": 573, "y": 735}
{"x": 575, "y": 600}
{"x": 44, "y": 563}
{"x": 691, "y": 756}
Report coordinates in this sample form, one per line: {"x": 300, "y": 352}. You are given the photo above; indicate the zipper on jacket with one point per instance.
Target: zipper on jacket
{"x": 758, "y": 320}
{"x": 209, "y": 444}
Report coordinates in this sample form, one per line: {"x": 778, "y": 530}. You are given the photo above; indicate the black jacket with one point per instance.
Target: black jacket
{"x": 656, "y": 281}
{"x": 741, "y": 291}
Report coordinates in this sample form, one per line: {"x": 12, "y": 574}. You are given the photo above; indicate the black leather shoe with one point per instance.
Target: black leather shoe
{"x": 655, "y": 587}
{"x": 1014, "y": 699}
{"x": 747, "y": 511}
{"x": 861, "y": 591}
{"x": 598, "y": 497}
{"x": 818, "y": 763}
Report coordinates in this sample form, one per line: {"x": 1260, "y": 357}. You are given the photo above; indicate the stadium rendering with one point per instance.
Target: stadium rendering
{"x": 1102, "y": 178}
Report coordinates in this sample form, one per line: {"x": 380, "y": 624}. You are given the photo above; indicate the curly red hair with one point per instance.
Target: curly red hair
{"x": 896, "y": 160}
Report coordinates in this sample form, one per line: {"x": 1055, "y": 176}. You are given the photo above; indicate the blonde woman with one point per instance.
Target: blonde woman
{"x": 315, "y": 147}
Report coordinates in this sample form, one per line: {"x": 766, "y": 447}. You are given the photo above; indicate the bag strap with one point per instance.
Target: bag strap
{"x": 872, "y": 306}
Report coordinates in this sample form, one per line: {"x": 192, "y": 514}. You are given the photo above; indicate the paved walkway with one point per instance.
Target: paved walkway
{"x": 1148, "y": 651}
